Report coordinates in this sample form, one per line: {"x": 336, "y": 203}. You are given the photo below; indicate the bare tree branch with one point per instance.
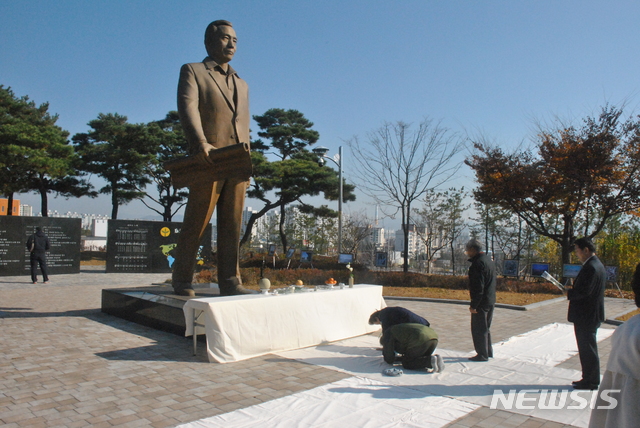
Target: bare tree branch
{"x": 396, "y": 165}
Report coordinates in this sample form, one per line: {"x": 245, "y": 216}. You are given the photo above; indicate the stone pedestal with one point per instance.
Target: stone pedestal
{"x": 155, "y": 306}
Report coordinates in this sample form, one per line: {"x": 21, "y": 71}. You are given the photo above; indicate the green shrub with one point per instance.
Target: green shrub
{"x": 328, "y": 263}
{"x": 316, "y": 276}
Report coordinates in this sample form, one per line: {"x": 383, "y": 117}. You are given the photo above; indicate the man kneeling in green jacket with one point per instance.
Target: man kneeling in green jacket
{"x": 415, "y": 343}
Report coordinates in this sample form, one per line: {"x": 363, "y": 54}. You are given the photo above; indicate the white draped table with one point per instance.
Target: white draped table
{"x": 241, "y": 327}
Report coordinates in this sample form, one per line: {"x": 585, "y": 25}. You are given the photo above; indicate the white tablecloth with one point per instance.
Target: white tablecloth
{"x": 241, "y": 327}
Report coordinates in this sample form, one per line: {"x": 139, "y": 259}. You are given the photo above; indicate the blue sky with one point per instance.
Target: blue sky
{"x": 490, "y": 67}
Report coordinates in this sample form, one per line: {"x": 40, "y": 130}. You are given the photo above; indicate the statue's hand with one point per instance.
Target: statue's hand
{"x": 206, "y": 148}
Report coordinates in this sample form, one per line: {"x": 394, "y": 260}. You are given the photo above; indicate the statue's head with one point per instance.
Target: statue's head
{"x": 220, "y": 41}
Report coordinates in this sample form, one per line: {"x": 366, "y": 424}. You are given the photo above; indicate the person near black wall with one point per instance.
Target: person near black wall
{"x": 38, "y": 245}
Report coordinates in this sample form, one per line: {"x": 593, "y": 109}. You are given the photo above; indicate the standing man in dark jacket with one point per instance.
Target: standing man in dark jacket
{"x": 38, "y": 245}
{"x": 482, "y": 290}
{"x": 586, "y": 311}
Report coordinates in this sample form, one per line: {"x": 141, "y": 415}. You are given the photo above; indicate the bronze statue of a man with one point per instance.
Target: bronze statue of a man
{"x": 213, "y": 103}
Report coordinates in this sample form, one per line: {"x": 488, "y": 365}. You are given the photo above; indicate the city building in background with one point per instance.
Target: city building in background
{"x": 97, "y": 240}
{"x": 4, "y": 207}
{"x": 26, "y": 210}
{"x": 415, "y": 244}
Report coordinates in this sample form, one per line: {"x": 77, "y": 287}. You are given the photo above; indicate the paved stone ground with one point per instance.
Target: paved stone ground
{"x": 63, "y": 363}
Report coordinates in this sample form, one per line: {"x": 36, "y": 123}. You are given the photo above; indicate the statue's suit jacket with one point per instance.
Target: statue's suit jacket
{"x": 211, "y": 112}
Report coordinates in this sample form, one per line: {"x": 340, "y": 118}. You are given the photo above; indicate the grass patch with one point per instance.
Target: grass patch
{"x": 93, "y": 262}
{"x": 505, "y": 297}
{"x": 626, "y": 317}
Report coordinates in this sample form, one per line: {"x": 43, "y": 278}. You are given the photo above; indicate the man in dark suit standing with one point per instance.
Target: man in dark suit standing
{"x": 213, "y": 103}
{"x": 586, "y": 311}
{"x": 482, "y": 290}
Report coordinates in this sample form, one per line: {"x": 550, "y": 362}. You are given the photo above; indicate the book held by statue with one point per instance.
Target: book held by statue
{"x": 227, "y": 162}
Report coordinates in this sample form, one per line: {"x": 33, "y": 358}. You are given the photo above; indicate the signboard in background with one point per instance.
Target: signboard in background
{"x": 345, "y": 258}
{"x": 147, "y": 246}
{"x": 510, "y": 268}
{"x": 272, "y": 250}
{"x": 305, "y": 256}
{"x": 612, "y": 273}
{"x": 381, "y": 259}
{"x": 570, "y": 271}
{"x": 537, "y": 269}
{"x": 64, "y": 237}
{"x": 290, "y": 252}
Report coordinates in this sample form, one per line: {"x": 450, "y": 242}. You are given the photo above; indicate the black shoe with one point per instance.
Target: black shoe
{"x": 576, "y": 382}
{"x": 585, "y": 385}
{"x": 478, "y": 358}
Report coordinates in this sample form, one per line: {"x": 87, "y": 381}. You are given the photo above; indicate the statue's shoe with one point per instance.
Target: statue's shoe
{"x": 185, "y": 292}
{"x": 235, "y": 291}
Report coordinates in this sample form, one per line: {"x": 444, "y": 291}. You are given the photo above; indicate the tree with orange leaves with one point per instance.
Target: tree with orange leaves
{"x": 578, "y": 178}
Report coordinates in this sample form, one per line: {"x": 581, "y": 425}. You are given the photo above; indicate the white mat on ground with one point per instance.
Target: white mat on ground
{"x": 468, "y": 381}
{"x": 355, "y": 401}
{"x": 418, "y": 398}
{"x": 549, "y": 345}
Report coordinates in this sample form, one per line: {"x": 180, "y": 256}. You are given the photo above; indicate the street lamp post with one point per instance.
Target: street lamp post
{"x": 322, "y": 152}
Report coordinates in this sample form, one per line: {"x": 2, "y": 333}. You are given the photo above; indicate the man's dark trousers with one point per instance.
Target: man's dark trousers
{"x": 588, "y": 351}
{"x": 419, "y": 357}
{"x": 480, "y": 325}
{"x": 38, "y": 258}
